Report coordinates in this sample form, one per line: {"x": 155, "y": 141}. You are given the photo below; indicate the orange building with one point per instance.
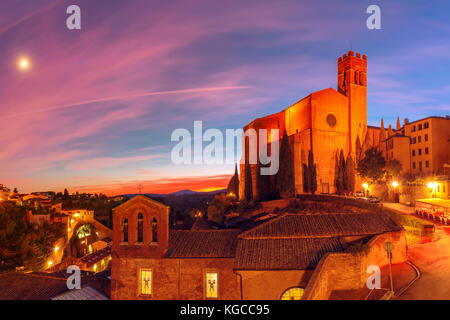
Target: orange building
{"x": 422, "y": 146}
{"x": 325, "y": 122}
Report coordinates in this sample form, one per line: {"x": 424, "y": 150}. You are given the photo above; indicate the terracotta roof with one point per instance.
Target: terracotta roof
{"x": 22, "y": 286}
{"x": 203, "y": 244}
{"x": 86, "y": 293}
{"x": 283, "y": 254}
{"x": 323, "y": 225}
{"x": 201, "y": 224}
{"x": 96, "y": 256}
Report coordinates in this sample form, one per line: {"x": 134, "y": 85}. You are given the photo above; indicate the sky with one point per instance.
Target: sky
{"x": 95, "y": 109}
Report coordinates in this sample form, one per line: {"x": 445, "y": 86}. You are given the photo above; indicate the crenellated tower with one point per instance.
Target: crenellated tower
{"x": 352, "y": 82}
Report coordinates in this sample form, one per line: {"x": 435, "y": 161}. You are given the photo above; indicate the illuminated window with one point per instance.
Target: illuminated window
{"x": 211, "y": 285}
{"x": 140, "y": 223}
{"x": 146, "y": 281}
{"x": 293, "y": 294}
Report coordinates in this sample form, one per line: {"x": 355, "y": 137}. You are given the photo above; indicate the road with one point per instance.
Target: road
{"x": 433, "y": 261}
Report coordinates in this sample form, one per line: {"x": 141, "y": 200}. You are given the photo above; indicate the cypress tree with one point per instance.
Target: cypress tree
{"x": 336, "y": 172}
{"x": 306, "y": 180}
{"x": 312, "y": 173}
{"x": 285, "y": 176}
{"x": 340, "y": 183}
{"x": 350, "y": 174}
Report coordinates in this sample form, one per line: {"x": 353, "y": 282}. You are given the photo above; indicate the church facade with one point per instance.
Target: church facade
{"x": 324, "y": 122}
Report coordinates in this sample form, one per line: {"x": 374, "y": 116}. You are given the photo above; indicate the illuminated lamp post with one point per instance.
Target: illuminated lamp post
{"x": 366, "y": 188}
{"x": 432, "y": 186}
{"x": 395, "y": 185}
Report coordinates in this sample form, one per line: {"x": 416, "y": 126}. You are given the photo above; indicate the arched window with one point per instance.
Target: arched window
{"x": 140, "y": 227}
{"x": 293, "y": 294}
{"x": 125, "y": 230}
{"x": 154, "y": 230}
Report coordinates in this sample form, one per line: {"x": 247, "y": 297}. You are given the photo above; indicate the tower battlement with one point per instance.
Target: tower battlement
{"x": 351, "y": 70}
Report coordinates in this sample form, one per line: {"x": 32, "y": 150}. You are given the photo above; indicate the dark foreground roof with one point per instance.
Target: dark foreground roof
{"x": 324, "y": 225}
{"x": 22, "y": 286}
{"x": 284, "y": 254}
{"x": 203, "y": 244}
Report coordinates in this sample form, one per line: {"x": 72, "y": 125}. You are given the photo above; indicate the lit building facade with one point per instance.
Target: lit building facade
{"x": 325, "y": 122}
{"x": 422, "y": 146}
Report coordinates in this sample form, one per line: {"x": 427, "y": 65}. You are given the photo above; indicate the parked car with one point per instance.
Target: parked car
{"x": 373, "y": 199}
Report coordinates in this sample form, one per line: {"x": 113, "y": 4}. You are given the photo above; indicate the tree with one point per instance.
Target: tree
{"x": 306, "y": 180}
{"x": 340, "y": 173}
{"x": 15, "y": 190}
{"x": 66, "y": 194}
{"x": 358, "y": 149}
{"x": 350, "y": 174}
{"x": 393, "y": 168}
{"x": 285, "y": 176}
{"x": 372, "y": 165}
{"x": 310, "y": 175}
{"x": 218, "y": 207}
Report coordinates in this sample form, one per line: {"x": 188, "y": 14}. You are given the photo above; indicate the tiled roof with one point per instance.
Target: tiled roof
{"x": 86, "y": 293}
{"x": 22, "y": 286}
{"x": 283, "y": 254}
{"x": 201, "y": 224}
{"x": 96, "y": 256}
{"x": 323, "y": 225}
{"x": 203, "y": 244}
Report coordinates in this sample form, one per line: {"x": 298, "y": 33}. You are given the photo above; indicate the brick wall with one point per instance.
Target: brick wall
{"x": 270, "y": 285}
{"x": 173, "y": 279}
{"x": 344, "y": 271}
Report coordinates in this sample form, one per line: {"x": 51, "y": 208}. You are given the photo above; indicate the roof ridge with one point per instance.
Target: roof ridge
{"x": 242, "y": 235}
{"x": 208, "y": 230}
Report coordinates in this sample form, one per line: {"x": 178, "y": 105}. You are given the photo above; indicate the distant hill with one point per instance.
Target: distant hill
{"x": 173, "y": 194}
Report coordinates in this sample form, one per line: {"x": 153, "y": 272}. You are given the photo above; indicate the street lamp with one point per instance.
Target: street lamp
{"x": 395, "y": 184}
{"x": 366, "y": 188}
{"x": 433, "y": 187}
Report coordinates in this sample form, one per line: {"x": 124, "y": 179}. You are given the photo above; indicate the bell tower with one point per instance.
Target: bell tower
{"x": 352, "y": 82}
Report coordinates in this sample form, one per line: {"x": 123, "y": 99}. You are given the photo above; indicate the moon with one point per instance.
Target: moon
{"x": 23, "y": 64}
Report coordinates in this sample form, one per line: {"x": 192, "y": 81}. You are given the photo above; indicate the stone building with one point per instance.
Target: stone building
{"x": 421, "y": 146}
{"x": 278, "y": 259}
{"x": 325, "y": 122}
